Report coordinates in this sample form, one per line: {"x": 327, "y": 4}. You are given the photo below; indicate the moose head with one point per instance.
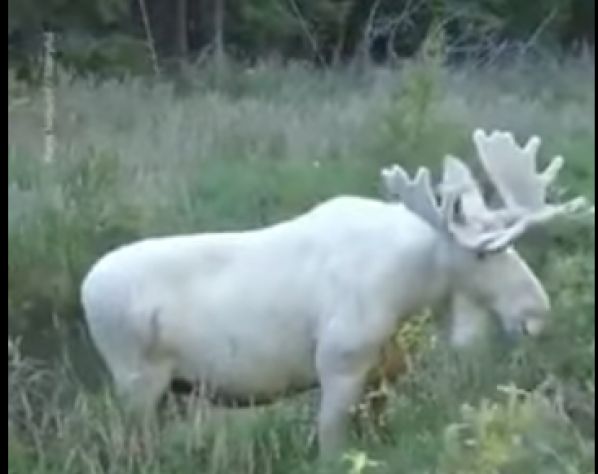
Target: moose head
{"x": 483, "y": 272}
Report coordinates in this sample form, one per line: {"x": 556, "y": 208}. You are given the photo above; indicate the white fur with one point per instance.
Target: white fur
{"x": 306, "y": 302}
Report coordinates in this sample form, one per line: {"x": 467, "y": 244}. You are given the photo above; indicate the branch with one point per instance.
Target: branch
{"x": 149, "y": 37}
{"x": 368, "y": 29}
{"x": 539, "y": 30}
{"x": 304, "y": 26}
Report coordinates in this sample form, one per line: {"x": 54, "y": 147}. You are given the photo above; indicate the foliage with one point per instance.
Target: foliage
{"x": 115, "y": 55}
{"x": 63, "y": 14}
{"x": 524, "y": 433}
{"x": 322, "y": 31}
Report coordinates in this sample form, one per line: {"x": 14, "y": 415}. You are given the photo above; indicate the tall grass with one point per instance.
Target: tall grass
{"x": 135, "y": 159}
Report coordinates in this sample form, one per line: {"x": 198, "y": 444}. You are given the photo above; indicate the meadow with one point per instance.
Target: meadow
{"x": 139, "y": 157}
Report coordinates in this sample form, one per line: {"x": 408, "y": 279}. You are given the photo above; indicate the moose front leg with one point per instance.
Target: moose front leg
{"x": 339, "y": 394}
{"x": 342, "y": 370}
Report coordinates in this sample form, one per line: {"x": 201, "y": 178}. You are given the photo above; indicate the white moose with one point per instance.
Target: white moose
{"x": 311, "y": 301}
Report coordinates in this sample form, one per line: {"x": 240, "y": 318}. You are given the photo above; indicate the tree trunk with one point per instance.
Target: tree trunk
{"x": 219, "y": 32}
{"x": 182, "y": 46}
{"x": 341, "y": 34}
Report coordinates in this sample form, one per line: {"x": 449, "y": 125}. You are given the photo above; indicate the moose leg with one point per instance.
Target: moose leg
{"x": 339, "y": 394}
{"x": 142, "y": 388}
{"x": 342, "y": 372}
{"x": 467, "y": 322}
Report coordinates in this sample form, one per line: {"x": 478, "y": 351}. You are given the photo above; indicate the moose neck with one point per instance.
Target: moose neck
{"x": 424, "y": 270}
{"x": 444, "y": 258}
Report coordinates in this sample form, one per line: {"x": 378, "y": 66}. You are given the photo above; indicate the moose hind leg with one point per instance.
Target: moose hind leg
{"x": 142, "y": 388}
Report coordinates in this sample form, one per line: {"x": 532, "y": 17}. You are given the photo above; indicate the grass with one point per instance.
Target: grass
{"x": 137, "y": 159}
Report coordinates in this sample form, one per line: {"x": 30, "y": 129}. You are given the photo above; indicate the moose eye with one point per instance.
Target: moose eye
{"x": 458, "y": 212}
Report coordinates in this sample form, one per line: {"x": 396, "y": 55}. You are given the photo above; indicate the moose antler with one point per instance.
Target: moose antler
{"x": 511, "y": 168}
{"x": 418, "y": 195}
{"x": 458, "y": 186}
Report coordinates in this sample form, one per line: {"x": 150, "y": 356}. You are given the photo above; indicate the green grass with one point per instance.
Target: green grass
{"x": 136, "y": 159}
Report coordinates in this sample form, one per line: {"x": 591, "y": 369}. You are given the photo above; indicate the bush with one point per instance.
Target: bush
{"x": 524, "y": 433}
